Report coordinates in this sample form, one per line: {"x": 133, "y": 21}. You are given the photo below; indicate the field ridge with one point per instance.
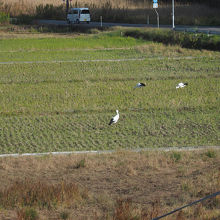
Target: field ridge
{"x": 136, "y": 150}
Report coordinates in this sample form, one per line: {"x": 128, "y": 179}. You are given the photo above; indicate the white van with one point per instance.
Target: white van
{"x": 77, "y": 15}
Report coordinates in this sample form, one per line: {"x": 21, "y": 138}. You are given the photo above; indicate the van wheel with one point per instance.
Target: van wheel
{"x": 87, "y": 22}
{"x": 77, "y": 21}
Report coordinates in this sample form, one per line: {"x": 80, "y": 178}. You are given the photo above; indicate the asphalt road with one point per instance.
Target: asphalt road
{"x": 195, "y": 29}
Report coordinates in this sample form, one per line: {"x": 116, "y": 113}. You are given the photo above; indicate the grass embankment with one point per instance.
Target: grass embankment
{"x": 67, "y": 105}
{"x": 198, "y": 41}
{"x": 122, "y": 185}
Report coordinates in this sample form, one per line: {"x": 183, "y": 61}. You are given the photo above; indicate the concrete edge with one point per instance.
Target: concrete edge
{"x": 165, "y": 149}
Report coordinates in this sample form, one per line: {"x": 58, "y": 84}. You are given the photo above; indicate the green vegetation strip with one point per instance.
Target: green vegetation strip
{"x": 110, "y": 40}
{"x": 47, "y": 107}
{"x": 187, "y": 40}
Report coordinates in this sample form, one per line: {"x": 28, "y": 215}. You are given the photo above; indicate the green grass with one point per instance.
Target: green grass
{"x": 67, "y": 106}
{"x": 68, "y": 55}
{"x": 67, "y": 42}
{"x": 89, "y": 131}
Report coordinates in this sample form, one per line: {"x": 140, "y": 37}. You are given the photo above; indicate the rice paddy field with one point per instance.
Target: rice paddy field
{"x": 59, "y": 92}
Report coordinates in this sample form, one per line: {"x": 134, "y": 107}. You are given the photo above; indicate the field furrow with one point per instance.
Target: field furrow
{"x": 66, "y": 106}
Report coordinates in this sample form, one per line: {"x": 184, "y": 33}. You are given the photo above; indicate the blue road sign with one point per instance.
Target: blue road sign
{"x": 155, "y": 5}
{"x": 155, "y": 1}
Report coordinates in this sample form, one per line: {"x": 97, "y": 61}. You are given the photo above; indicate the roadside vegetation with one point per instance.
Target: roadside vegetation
{"x": 187, "y": 40}
{"x": 121, "y": 185}
{"x": 4, "y": 18}
{"x": 186, "y": 12}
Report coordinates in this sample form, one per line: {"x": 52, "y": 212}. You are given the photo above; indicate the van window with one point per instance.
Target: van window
{"x": 85, "y": 12}
{"x": 75, "y": 12}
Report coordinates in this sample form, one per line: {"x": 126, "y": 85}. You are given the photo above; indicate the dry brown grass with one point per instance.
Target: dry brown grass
{"x": 121, "y": 185}
{"x": 16, "y": 7}
{"x": 114, "y": 3}
{"x": 27, "y": 192}
{"x": 122, "y": 11}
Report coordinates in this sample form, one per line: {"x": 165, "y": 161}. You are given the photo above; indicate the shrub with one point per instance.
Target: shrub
{"x": 27, "y": 214}
{"x": 176, "y": 156}
{"x": 80, "y": 164}
{"x": 64, "y": 215}
{"x": 210, "y": 154}
{"x": 187, "y": 40}
{"x": 4, "y": 18}
{"x": 124, "y": 210}
{"x": 50, "y": 11}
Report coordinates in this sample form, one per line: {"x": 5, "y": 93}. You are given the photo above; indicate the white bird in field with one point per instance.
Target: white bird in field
{"x": 114, "y": 119}
{"x": 139, "y": 85}
{"x": 181, "y": 85}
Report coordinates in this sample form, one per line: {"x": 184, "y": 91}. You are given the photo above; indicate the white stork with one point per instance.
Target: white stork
{"x": 115, "y": 118}
{"x": 139, "y": 85}
{"x": 181, "y": 85}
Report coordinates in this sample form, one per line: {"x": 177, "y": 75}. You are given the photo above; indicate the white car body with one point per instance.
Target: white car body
{"x": 78, "y": 15}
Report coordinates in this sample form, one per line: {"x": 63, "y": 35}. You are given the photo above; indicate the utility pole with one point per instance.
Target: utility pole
{"x": 155, "y": 6}
{"x": 67, "y": 6}
{"x": 173, "y": 14}
{"x": 158, "y": 19}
